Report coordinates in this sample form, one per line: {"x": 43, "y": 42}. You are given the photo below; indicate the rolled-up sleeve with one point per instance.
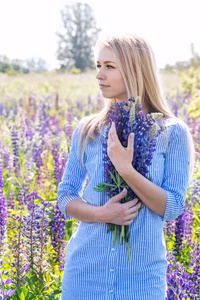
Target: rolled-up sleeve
{"x": 74, "y": 177}
{"x": 176, "y": 174}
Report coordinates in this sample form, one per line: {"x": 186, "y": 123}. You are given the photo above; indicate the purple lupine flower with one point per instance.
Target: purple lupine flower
{"x": 36, "y": 230}
{"x": 6, "y": 154}
{"x": 195, "y": 191}
{"x": 21, "y": 198}
{"x": 15, "y": 147}
{"x": 36, "y": 154}
{"x": 5, "y": 291}
{"x": 144, "y": 145}
{"x": 28, "y": 133}
{"x": 128, "y": 117}
{"x": 188, "y": 226}
{"x": 56, "y": 164}
{"x": 57, "y": 101}
{"x": 3, "y": 213}
{"x": 179, "y": 234}
{"x": 195, "y": 265}
{"x": 58, "y": 228}
{"x": 68, "y": 128}
{"x": 179, "y": 282}
{"x": 89, "y": 100}
{"x": 18, "y": 248}
{"x": 11, "y": 200}
{"x": 79, "y": 102}
{"x": 1, "y": 109}
{"x": 54, "y": 125}
{"x": 59, "y": 163}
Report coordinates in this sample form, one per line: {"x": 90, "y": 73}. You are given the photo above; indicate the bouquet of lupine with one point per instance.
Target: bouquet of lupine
{"x": 128, "y": 117}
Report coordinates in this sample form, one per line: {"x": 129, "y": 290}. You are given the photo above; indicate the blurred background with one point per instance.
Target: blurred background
{"x": 29, "y": 30}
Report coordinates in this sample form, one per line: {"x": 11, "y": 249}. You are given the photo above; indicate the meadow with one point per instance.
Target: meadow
{"x": 38, "y": 113}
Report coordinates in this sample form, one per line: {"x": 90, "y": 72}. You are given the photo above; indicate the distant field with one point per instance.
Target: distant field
{"x": 69, "y": 86}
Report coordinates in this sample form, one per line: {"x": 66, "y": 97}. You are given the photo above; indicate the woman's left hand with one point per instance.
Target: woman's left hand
{"x": 121, "y": 157}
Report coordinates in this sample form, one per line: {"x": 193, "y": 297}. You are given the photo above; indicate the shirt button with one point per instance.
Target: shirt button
{"x": 112, "y": 270}
{"x": 111, "y": 291}
{"x": 113, "y": 249}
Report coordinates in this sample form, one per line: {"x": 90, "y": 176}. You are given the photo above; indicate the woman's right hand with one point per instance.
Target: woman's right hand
{"x": 119, "y": 213}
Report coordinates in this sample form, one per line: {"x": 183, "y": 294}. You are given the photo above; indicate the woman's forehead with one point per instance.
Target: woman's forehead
{"x": 105, "y": 54}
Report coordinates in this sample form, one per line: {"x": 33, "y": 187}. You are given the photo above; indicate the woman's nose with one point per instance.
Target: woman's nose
{"x": 100, "y": 75}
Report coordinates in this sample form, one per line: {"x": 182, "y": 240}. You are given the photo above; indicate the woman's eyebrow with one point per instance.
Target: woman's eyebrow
{"x": 108, "y": 61}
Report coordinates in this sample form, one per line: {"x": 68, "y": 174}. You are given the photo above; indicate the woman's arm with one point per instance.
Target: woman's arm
{"x": 167, "y": 200}
{"x": 71, "y": 203}
{"x": 112, "y": 212}
{"x": 153, "y": 196}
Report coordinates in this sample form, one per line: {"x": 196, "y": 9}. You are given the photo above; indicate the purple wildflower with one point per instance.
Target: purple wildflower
{"x": 36, "y": 153}
{"x": 57, "y": 101}
{"x": 89, "y": 100}
{"x": 19, "y": 257}
{"x": 179, "y": 234}
{"x": 59, "y": 163}
{"x": 15, "y": 147}
{"x": 6, "y": 154}
{"x": 58, "y": 228}
{"x": 195, "y": 265}
{"x": 68, "y": 128}
{"x": 128, "y": 117}
{"x": 36, "y": 231}
{"x": 178, "y": 280}
{"x": 3, "y": 214}
{"x": 144, "y": 140}
{"x": 5, "y": 291}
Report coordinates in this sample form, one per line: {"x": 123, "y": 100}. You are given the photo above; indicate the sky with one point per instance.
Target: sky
{"x": 28, "y": 28}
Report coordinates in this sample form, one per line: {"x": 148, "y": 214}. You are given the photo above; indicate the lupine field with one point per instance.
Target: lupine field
{"x": 37, "y": 119}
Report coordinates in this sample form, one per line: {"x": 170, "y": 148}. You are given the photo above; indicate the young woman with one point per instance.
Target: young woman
{"x": 94, "y": 269}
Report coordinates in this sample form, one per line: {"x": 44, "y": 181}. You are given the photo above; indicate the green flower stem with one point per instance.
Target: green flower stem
{"x": 128, "y": 249}
{"x": 114, "y": 235}
{"x": 122, "y": 236}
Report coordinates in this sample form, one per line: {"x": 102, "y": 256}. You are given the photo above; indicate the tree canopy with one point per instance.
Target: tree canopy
{"x": 76, "y": 42}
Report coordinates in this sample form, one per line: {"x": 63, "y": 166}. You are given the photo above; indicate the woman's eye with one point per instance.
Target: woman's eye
{"x": 107, "y": 66}
{"x": 110, "y": 67}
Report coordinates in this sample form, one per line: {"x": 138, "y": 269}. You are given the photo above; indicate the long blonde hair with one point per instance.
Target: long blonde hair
{"x": 136, "y": 62}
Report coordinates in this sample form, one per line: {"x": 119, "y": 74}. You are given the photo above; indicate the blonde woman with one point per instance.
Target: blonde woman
{"x": 94, "y": 269}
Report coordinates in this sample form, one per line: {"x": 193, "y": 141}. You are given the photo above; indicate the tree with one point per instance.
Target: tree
{"x": 195, "y": 60}
{"x": 75, "y": 45}
{"x": 35, "y": 64}
{"x": 4, "y": 63}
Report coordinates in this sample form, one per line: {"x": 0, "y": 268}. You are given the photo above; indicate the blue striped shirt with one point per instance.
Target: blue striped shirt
{"x": 94, "y": 269}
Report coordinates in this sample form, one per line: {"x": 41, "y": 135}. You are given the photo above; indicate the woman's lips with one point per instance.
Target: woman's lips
{"x": 102, "y": 86}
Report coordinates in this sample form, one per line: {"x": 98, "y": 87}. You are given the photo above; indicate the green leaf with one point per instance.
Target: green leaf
{"x": 113, "y": 189}
{"x": 22, "y": 297}
{"x": 29, "y": 283}
{"x": 100, "y": 189}
{"x": 119, "y": 179}
{"x": 113, "y": 177}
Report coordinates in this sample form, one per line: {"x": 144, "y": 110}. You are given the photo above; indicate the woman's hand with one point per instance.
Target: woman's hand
{"x": 120, "y": 156}
{"x": 119, "y": 213}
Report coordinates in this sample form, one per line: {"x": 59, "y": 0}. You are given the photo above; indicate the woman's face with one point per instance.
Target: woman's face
{"x": 109, "y": 76}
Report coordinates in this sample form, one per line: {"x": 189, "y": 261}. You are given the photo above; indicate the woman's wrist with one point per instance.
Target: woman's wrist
{"x": 99, "y": 214}
{"x": 124, "y": 170}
